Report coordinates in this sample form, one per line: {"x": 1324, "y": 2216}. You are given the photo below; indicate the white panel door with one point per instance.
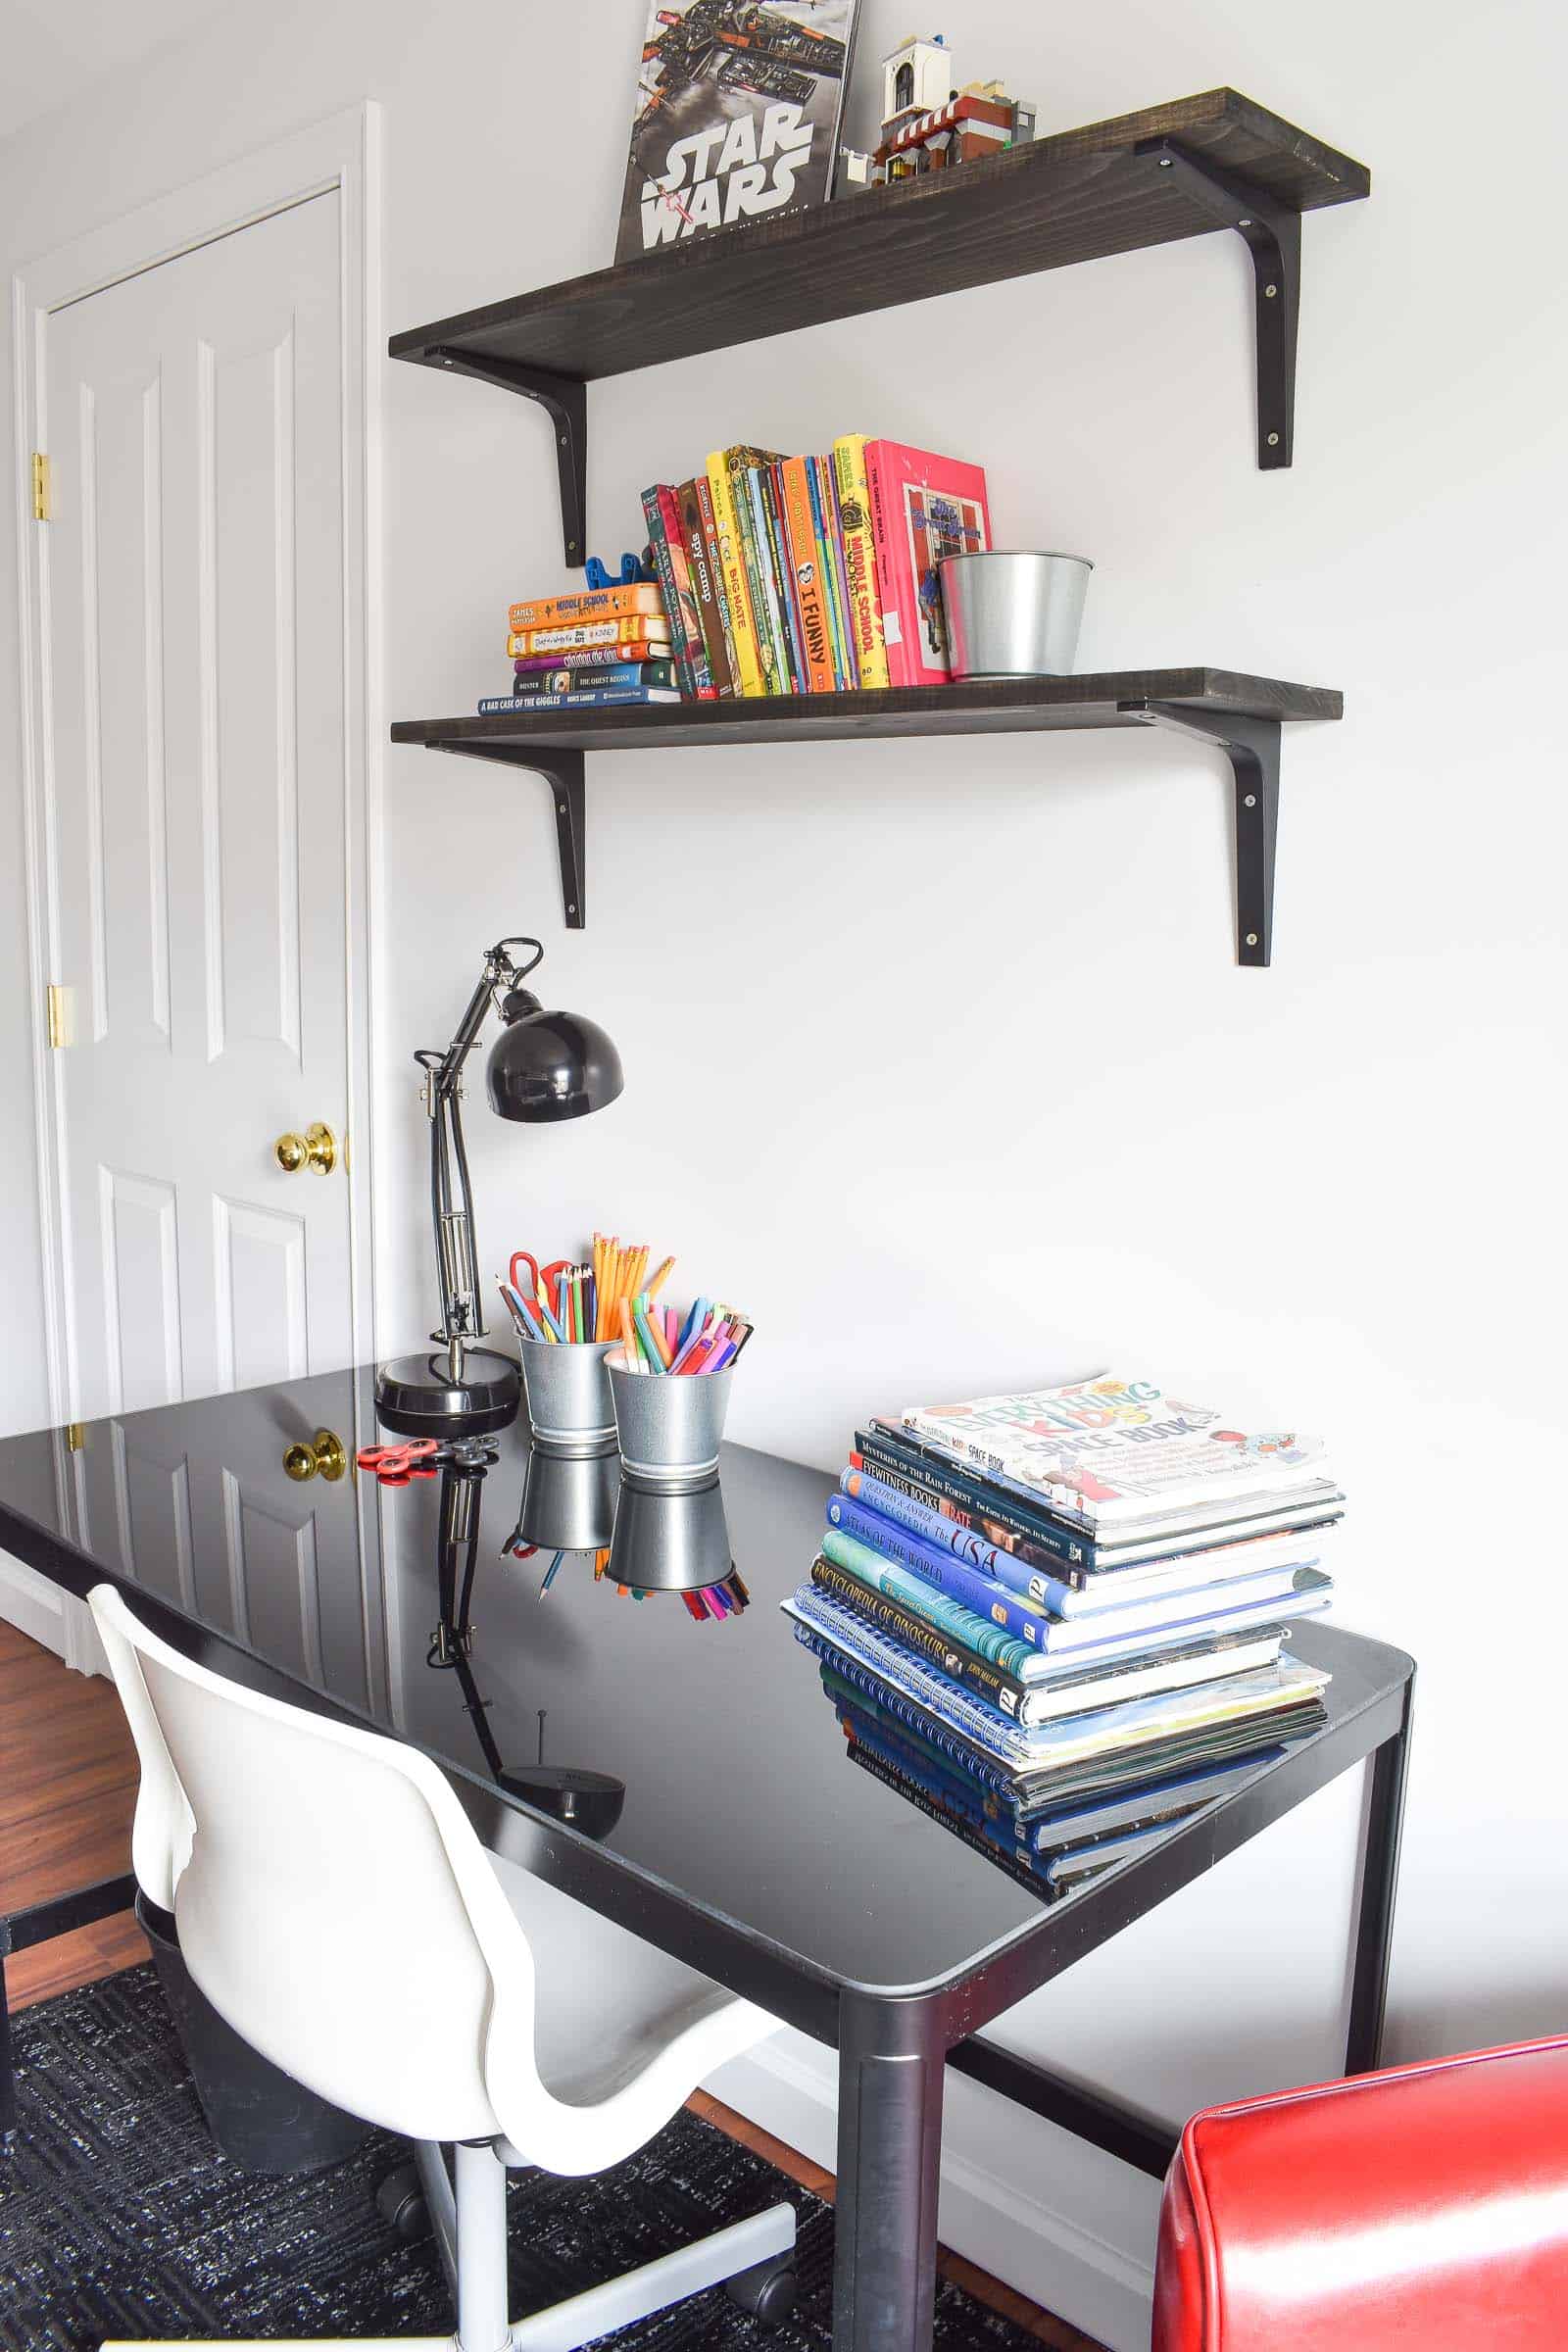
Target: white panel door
{"x": 193, "y": 701}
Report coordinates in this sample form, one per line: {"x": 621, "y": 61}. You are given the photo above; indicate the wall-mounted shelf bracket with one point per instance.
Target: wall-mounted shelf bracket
{"x": 561, "y": 769}
{"x": 1252, "y": 747}
{"x": 566, "y": 401}
{"x": 1272, "y": 233}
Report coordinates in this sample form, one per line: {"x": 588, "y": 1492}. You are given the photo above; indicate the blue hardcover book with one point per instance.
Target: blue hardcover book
{"x": 585, "y": 699}
{"x": 890, "y": 1456}
{"x": 1186, "y": 1573}
{"x": 936, "y": 1565}
{"x": 922, "y": 1743}
{"x": 1245, "y": 1707}
{"x": 965, "y": 1543}
{"x": 974, "y": 1734}
{"x": 588, "y": 679}
{"x": 1006, "y": 1514}
{"x": 875, "y": 1549}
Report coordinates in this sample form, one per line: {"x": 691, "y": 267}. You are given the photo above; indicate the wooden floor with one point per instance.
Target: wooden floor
{"x": 68, "y": 1787}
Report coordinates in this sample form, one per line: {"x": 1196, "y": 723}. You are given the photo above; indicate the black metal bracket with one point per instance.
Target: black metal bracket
{"x": 1272, "y": 232}
{"x": 1252, "y": 747}
{"x": 561, "y": 768}
{"x": 565, "y": 400}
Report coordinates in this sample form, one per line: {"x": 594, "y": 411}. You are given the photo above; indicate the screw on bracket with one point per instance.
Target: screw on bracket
{"x": 566, "y": 400}
{"x": 1272, "y": 233}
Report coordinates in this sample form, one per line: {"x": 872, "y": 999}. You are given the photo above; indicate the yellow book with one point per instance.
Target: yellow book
{"x": 749, "y": 677}
{"x": 860, "y": 557}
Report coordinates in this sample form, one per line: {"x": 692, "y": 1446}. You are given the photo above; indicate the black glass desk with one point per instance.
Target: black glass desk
{"x": 686, "y": 1778}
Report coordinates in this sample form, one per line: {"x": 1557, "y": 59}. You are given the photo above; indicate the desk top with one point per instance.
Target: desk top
{"x": 746, "y": 1839}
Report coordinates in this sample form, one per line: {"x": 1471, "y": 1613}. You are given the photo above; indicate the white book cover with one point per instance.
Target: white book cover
{"x": 1112, "y": 1449}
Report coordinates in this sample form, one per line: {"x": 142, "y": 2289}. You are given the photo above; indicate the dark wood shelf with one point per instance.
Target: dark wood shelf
{"x": 1216, "y": 161}
{"x": 1074, "y": 197}
{"x": 1240, "y": 714}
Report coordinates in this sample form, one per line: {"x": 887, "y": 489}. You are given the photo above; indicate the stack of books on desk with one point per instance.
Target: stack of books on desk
{"x": 1060, "y": 1621}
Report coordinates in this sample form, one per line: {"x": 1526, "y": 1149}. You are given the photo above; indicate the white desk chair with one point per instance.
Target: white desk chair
{"x": 336, "y": 1908}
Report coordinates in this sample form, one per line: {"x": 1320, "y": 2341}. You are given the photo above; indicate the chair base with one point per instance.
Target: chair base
{"x": 475, "y": 2257}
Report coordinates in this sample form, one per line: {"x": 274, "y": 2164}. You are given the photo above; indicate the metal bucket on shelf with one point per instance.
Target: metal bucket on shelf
{"x": 1013, "y": 614}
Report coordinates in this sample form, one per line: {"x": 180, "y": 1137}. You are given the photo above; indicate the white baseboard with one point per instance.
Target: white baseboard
{"x": 57, "y": 1619}
{"x": 1063, "y": 2224}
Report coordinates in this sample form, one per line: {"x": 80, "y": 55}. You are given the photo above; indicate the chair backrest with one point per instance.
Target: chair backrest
{"x": 332, "y": 1900}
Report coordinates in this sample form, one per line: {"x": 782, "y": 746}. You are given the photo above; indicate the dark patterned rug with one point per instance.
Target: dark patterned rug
{"x": 118, "y": 2215}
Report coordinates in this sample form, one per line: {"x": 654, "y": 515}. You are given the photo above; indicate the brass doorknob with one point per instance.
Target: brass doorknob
{"x": 315, "y": 1149}
{"x": 325, "y": 1455}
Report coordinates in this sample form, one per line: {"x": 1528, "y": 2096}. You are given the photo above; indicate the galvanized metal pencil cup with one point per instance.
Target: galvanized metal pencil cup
{"x": 1013, "y": 614}
{"x": 569, "y": 1410}
{"x": 670, "y": 1425}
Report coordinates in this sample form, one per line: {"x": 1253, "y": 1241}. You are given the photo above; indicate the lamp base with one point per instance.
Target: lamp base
{"x": 590, "y": 1801}
{"x": 417, "y": 1397}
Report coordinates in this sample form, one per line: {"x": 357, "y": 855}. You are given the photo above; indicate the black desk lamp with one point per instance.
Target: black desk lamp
{"x": 544, "y": 1066}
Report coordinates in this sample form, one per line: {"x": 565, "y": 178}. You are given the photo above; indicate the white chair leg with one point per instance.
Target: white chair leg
{"x": 566, "y": 2326}
{"x": 481, "y": 2203}
{"x": 430, "y": 2163}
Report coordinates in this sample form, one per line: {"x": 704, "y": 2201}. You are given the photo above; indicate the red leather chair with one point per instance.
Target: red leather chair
{"x": 1424, "y": 2208}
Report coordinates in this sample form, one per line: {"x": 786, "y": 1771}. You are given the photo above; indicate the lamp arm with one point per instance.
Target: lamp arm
{"x": 451, "y": 1186}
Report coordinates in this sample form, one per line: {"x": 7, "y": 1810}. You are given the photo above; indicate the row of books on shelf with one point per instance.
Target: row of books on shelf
{"x": 769, "y": 575}
{"x": 1060, "y": 1623}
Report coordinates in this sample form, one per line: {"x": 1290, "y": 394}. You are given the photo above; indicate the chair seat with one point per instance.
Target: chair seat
{"x": 623, "y": 2033}
{"x": 1422, "y": 2207}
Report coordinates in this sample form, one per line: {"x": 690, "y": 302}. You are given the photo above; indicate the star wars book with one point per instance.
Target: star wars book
{"x": 736, "y": 116}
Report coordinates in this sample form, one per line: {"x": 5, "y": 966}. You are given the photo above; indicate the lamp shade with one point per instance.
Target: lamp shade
{"x": 550, "y": 1065}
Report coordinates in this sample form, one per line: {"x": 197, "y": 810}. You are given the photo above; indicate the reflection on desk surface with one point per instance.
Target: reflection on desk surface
{"x": 723, "y": 1772}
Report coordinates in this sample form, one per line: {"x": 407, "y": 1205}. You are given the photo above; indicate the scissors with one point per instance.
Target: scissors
{"x": 543, "y": 1284}
{"x": 395, "y": 1465}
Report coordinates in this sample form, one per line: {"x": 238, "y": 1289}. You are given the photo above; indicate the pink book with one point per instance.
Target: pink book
{"x": 922, "y": 508}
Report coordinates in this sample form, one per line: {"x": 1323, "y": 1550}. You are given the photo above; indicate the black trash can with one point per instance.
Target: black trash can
{"x": 259, "y": 2117}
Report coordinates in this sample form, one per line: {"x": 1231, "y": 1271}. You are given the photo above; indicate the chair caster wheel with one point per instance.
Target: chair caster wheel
{"x": 399, "y": 2200}
{"x": 767, "y": 2290}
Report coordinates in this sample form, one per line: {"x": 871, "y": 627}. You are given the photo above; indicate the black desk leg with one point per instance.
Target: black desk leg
{"x": 888, "y": 2159}
{"x": 1374, "y": 1926}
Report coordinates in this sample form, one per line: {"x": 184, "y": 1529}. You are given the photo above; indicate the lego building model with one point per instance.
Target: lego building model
{"x": 927, "y": 127}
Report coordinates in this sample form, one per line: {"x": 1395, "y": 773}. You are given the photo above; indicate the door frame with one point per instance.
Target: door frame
{"x": 341, "y": 153}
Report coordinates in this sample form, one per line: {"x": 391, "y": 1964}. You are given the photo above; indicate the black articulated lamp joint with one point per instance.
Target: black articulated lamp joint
{"x": 543, "y": 1068}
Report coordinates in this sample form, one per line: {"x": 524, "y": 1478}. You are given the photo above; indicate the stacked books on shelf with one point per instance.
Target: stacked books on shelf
{"x": 1060, "y": 1622}
{"x": 767, "y": 575}
{"x": 813, "y": 574}
{"x": 591, "y": 646}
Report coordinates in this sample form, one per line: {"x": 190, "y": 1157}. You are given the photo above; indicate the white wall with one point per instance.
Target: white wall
{"x": 937, "y": 1054}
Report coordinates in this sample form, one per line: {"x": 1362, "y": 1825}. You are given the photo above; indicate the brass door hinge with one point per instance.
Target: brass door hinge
{"x": 41, "y": 487}
{"x": 59, "y": 1016}
{"x": 76, "y": 1437}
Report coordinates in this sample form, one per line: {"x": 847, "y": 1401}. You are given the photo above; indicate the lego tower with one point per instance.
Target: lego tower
{"x": 916, "y": 79}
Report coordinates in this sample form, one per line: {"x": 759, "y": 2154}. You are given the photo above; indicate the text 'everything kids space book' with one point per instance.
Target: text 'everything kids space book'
{"x": 736, "y": 116}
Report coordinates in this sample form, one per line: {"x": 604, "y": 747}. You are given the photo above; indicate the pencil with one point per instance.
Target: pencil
{"x": 661, "y": 1278}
